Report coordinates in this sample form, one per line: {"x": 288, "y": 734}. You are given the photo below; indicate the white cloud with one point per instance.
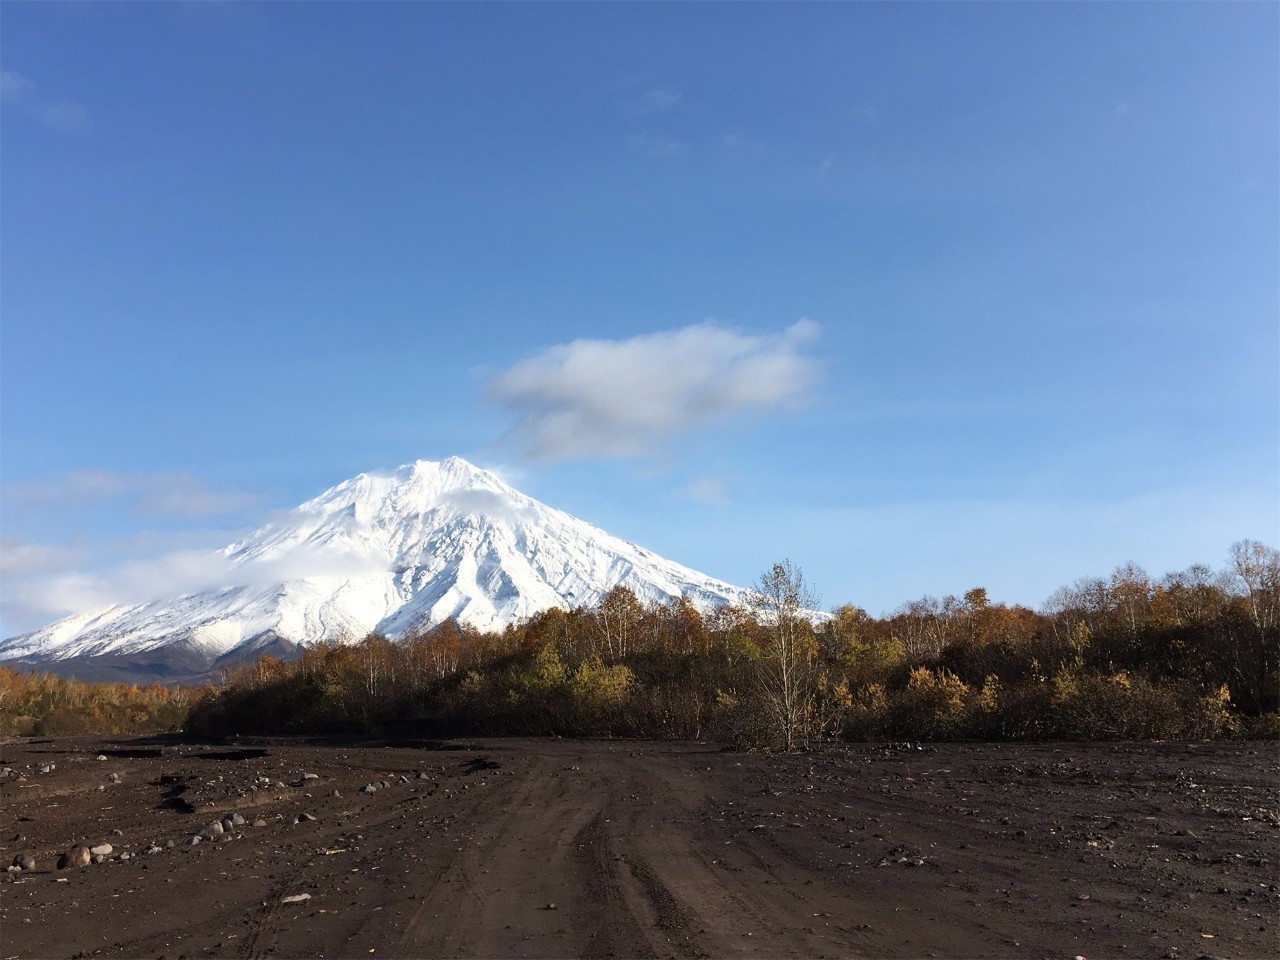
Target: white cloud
{"x": 624, "y": 398}
{"x": 165, "y": 494}
{"x": 21, "y": 556}
{"x": 33, "y": 597}
{"x": 658, "y": 100}
{"x": 737, "y": 143}
{"x": 659, "y": 145}
{"x": 181, "y": 495}
{"x": 169, "y": 575}
{"x": 488, "y": 503}
{"x": 57, "y": 113}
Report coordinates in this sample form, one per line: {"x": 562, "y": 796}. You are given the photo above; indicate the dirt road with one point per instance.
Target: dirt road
{"x": 552, "y": 848}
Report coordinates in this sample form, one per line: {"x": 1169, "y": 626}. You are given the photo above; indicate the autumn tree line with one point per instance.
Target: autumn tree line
{"x": 45, "y": 704}
{"x": 1194, "y": 654}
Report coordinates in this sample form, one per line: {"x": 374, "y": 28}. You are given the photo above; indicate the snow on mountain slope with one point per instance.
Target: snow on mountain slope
{"x": 431, "y": 541}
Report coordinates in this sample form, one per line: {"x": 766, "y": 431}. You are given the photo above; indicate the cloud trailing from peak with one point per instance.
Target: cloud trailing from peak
{"x": 629, "y": 398}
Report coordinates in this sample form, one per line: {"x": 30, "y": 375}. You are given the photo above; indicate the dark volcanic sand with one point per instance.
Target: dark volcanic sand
{"x": 557, "y": 848}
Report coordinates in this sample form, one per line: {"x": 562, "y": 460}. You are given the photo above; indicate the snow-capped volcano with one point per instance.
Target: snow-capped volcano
{"x": 431, "y": 541}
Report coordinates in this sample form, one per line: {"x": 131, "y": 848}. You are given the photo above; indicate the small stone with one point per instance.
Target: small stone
{"x": 227, "y": 824}
{"x": 214, "y": 829}
{"x": 297, "y": 898}
{"x": 24, "y": 861}
{"x": 237, "y": 820}
{"x": 101, "y": 850}
{"x": 259, "y": 823}
{"x": 155, "y": 849}
{"x": 226, "y": 838}
{"x": 551, "y": 906}
{"x": 193, "y": 840}
{"x": 126, "y": 856}
{"x": 98, "y": 858}
{"x": 369, "y": 788}
{"x": 311, "y": 776}
{"x": 303, "y": 818}
{"x": 168, "y": 843}
{"x": 100, "y": 756}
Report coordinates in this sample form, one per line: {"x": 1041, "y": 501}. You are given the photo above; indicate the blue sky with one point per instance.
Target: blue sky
{"x": 919, "y": 296}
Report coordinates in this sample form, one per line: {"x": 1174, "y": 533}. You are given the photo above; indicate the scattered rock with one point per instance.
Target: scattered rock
{"x": 155, "y": 849}
{"x": 101, "y": 850}
{"x": 303, "y": 818}
{"x": 213, "y": 830}
{"x": 369, "y": 788}
{"x": 297, "y": 898}
{"x": 237, "y": 820}
{"x": 100, "y": 756}
{"x": 24, "y": 861}
{"x": 311, "y": 776}
{"x": 193, "y": 840}
{"x": 550, "y": 906}
{"x": 126, "y": 856}
{"x": 259, "y": 823}
{"x": 77, "y": 856}
{"x": 117, "y": 833}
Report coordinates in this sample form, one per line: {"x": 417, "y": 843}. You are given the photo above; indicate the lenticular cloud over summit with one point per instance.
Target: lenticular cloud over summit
{"x": 387, "y": 553}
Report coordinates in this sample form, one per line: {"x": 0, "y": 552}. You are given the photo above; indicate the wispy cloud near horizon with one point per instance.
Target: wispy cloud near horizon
{"x": 44, "y": 583}
{"x": 630, "y": 398}
{"x": 19, "y": 557}
{"x": 163, "y": 494}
